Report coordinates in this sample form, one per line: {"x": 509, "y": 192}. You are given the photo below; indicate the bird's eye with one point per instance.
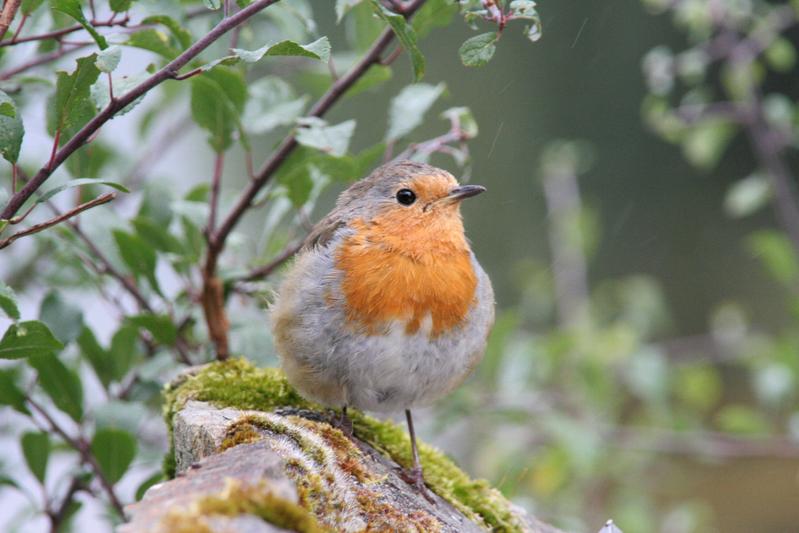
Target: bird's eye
{"x": 406, "y": 196}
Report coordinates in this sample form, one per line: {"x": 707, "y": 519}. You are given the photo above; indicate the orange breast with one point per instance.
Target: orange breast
{"x": 425, "y": 269}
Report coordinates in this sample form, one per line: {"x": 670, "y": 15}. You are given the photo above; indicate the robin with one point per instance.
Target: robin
{"x": 386, "y": 307}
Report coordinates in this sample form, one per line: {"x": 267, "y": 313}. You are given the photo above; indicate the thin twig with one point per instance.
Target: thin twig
{"x": 58, "y": 515}
{"x": 57, "y": 34}
{"x": 39, "y": 61}
{"x": 264, "y": 271}
{"x": 169, "y": 71}
{"x": 80, "y": 445}
{"x": 36, "y": 228}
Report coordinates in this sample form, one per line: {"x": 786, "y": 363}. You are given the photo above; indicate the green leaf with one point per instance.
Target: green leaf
{"x": 218, "y": 98}
{"x": 60, "y": 383}
{"x": 433, "y": 14}
{"x": 478, "y": 50}
{"x": 213, "y": 4}
{"x": 123, "y": 350}
{"x": 64, "y": 319}
{"x": 525, "y": 9}
{"x": 160, "y": 326}
{"x": 373, "y": 77}
{"x": 156, "y": 235}
{"x": 71, "y": 107}
{"x": 180, "y": 33}
{"x": 155, "y": 41}
{"x": 118, "y": 6}
{"x": 272, "y": 103}
{"x": 10, "y": 393}
{"x": 98, "y": 358}
{"x": 408, "y": 108}
{"x": 464, "y": 116}
{"x": 114, "y": 449}
{"x": 78, "y": 183}
{"x": 101, "y": 96}
{"x": 108, "y": 59}
{"x": 73, "y": 9}
{"x": 8, "y": 302}
{"x": 747, "y": 196}
{"x": 147, "y": 483}
{"x": 334, "y": 140}
{"x": 319, "y": 49}
{"x": 704, "y": 144}
{"x": 781, "y": 55}
{"x": 36, "y": 449}
{"x": 26, "y": 339}
{"x": 11, "y": 129}
{"x": 29, "y": 6}
{"x": 777, "y": 254}
{"x": 406, "y": 36}
{"x": 137, "y": 255}
{"x": 343, "y": 7}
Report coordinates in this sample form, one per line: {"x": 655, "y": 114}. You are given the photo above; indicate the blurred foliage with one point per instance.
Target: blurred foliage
{"x": 118, "y": 293}
{"x": 596, "y": 404}
{"x": 583, "y": 398}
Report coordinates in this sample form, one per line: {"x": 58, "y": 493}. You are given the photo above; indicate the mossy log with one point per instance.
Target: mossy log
{"x": 249, "y": 454}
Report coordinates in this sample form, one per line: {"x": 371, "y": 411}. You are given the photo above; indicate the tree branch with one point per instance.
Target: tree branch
{"x": 336, "y": 91}
{"x": 36, "y": 228}
{"x": 169, "y": 71}
{"x": 212, "y": 294}
{"x": 10, "y": 8}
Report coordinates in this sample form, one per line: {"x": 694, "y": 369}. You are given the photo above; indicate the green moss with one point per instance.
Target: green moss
{"x": 238, "y": 499}
{"x": 238, "y": 384}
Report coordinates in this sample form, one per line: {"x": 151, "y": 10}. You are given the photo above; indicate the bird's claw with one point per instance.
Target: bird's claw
{"x": 415, "y": 477}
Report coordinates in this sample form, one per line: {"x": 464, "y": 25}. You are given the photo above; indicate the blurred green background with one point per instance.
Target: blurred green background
{"x": 645, "y": 361}
{"x": 654, "y": 214}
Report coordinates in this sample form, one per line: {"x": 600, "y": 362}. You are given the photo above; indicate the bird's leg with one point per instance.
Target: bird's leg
{"x": 415, "y": 476}
{"x": 344, "y": 423}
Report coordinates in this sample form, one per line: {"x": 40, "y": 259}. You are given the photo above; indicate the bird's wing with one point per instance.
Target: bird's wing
{"x": 324, "y": 230}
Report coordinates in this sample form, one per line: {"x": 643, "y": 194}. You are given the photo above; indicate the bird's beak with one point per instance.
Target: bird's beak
{"x": 456, "y": 195}
{"x": 464, "y": 191}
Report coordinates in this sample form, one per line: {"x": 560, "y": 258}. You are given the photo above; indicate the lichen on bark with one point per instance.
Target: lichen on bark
{"x": 238, "y": 384}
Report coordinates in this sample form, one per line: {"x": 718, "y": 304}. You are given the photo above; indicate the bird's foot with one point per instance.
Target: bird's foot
{"x": 415, "y": 477}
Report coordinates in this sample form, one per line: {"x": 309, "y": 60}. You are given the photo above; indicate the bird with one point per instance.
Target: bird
{"x": 385, "y": 307}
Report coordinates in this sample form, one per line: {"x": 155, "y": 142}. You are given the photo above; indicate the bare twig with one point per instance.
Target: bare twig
{"x": 80, "y": 445}
{"x": 169, "y": 71}
{"x": 39, "y": 60}
{"x": 58, "y": 514}
{"x": 57, "y": 34}
{"x": 265, "y": 270}
{"x": 10, "y": 8}
{"x": 36, "y": 228}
